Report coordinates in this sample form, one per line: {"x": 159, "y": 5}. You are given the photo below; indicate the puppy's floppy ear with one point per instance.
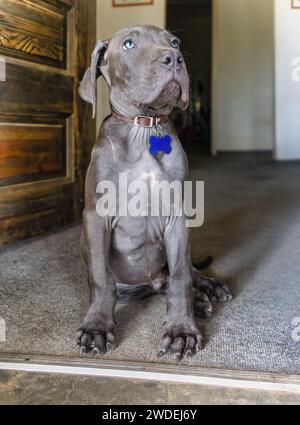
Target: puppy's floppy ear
{"x": 88, "y": 86}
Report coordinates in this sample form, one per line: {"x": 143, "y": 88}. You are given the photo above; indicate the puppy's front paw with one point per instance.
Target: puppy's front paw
{"x": 95, "y": 336}
{"x": 181, "y": 340}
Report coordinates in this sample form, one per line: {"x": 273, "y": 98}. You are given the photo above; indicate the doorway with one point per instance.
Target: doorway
{"x": 191, "y": 21}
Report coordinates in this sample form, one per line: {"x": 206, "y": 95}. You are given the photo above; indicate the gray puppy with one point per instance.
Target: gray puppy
{"x": 147, "y": 78}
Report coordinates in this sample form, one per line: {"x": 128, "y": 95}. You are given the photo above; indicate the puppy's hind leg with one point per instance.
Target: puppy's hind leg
{"x": 132, "y": 293}
{"x": 128, "y": 294}
{"x": 214, "y": 290}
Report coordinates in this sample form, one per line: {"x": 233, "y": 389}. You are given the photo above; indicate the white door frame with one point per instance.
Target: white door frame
{"x": 214, "y": 79}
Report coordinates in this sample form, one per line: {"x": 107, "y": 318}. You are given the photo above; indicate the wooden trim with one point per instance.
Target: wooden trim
{"x": 7, "y": 191}
{"x": 85, "y": 126}
{"x": 70, "y": 137}
{"x": 35, "y": 65}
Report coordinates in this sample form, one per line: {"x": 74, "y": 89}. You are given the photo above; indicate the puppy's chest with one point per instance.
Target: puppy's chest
{"x": 159, "y": 168}
{"x": 137, "y": 160}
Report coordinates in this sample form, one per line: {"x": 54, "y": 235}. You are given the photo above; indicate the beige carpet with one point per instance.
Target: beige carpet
{"x": 252, "y": 229}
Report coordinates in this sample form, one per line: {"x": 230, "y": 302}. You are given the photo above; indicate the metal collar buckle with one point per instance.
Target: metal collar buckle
{"x": 153, "y": 121}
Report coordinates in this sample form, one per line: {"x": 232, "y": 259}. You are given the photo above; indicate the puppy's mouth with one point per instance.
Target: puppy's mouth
{"x": 170, "y": 95}
{"x": 173, "y": 88}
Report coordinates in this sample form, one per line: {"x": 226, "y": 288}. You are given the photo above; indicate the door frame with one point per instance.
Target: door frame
{"x": 214, "y": 78}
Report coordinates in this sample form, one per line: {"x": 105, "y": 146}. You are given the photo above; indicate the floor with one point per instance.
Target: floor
{"x": 252, "y": 228}
{"x": 42, "y": 389}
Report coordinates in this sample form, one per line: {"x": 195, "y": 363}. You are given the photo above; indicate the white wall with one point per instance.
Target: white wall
{"x": 110, "y": 20}
{"x": 243, "y": 75}
{"x": 287, "y": 37}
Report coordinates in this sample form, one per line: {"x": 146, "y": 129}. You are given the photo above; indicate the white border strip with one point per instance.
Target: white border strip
{"x": 152, "y": 376}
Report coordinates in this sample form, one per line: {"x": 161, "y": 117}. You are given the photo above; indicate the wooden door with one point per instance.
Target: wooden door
{"x": 46, "y": 132}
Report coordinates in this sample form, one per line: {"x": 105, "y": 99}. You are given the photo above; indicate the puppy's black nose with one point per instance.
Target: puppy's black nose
{"x": 171, "y": 59}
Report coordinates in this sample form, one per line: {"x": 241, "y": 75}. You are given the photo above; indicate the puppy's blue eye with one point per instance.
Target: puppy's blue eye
{"x": 175, "y": 44}
{"x": 128, "y": 45}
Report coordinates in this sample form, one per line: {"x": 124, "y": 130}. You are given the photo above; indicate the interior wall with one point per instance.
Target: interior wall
{"x": 243, "y": 75}
{"x": 111, "y": 19}
{"x": 287, "y": 82}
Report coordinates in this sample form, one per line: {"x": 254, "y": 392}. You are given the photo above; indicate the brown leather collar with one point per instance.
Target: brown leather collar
{"x": 142, "y": 120}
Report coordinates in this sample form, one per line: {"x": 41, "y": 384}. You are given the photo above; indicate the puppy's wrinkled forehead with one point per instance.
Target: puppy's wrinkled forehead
{"x": 142, "y": 65}
{"x": 143, "y": 35}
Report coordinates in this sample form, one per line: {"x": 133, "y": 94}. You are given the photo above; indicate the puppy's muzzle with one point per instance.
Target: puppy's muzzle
{"x": 171, "y": 60}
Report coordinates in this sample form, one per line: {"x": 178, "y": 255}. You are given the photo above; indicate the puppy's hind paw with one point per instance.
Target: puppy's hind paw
{"x": 202, "y": 306}
{"x": 216, "y": 291}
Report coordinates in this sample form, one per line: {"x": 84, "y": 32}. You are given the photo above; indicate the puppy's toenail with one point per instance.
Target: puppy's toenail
{"x": 198, "y": 348}
{"x": 189, "y": 354}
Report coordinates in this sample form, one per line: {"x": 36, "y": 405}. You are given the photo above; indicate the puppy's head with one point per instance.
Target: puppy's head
{"x": 144, "y": 69}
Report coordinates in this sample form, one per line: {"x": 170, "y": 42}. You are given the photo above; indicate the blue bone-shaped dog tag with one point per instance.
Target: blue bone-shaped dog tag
{"x": 160, "y": 144}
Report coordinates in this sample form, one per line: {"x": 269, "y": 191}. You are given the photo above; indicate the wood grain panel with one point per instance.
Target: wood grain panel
{"x": 29, "y": 214}
{"x": 30, "y": 91}
{"x": 31, "y": 152}
{"x": 44, "y": 96}
{"x": 33, "y": 31}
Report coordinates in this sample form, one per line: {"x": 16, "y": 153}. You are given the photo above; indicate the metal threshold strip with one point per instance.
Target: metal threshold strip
{"x": 153, "y": 372}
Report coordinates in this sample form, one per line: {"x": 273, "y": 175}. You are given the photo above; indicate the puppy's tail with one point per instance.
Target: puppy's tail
{"x": 131, "y": 293}
{"x": 204, "y": 264}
